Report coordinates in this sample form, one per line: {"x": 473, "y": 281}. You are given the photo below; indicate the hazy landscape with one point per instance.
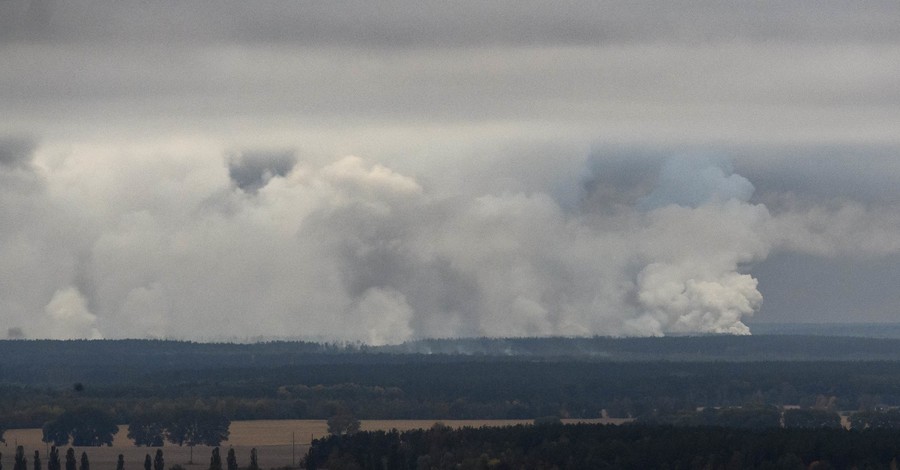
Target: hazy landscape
{"x": 280, "y": 396}
{"x": 281, "y": 443}
{"x": 625, "y": 234}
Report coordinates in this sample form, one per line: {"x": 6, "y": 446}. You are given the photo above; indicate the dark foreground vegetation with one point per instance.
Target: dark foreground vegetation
{"x": 720, "y": 400}
{"x": 614, "y": 447}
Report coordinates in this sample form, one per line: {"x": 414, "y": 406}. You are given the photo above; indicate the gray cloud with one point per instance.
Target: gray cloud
{"x": 251, "y": 171}
{"x": 355, "y": 250}
{"x": 352, "y": 249}
{"x": 523, "y": 168}
{"x": 817, "y": 174}
{"x": 694, "y": 181}
{"x": 828, "y": 289}
{"x": 394, "y": 78}
{"x": 16, "y": 153}
{"x": 15, "y": 333}
{"x": 460, "y": 23}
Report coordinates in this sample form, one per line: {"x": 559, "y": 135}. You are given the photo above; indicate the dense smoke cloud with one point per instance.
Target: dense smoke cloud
{"x": 354, "y": 250}
{"x": 523, "y": 169}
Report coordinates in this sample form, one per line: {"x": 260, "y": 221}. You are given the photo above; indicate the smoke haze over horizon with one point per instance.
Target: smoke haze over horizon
{"x": 385, "y": 173}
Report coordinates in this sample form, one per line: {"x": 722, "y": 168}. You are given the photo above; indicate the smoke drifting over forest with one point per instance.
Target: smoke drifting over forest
{"x": 265, "y": 244}
{"x": 385, "y": 171}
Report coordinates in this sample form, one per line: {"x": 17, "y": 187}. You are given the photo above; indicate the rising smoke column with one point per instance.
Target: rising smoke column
{"x": 692, "y": 282}
{"x": 267, "y": 245}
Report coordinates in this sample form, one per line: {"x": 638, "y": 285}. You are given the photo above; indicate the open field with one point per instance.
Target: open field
{"x": 272, "y": 439}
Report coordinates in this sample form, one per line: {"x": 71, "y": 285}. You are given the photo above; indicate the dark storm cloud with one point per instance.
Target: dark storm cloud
{"x": 417, "y": 24}
{"x": 252, "y": 171}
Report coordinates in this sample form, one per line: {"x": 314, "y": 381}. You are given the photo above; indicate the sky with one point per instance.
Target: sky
{"x": 384, "y": 171}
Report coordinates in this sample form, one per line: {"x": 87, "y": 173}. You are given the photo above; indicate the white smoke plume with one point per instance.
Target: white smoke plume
{"x": 100, "y": 245}
{"x": 67, "y": 317}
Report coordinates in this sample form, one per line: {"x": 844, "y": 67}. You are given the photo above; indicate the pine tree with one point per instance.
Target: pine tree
{"x": 120, "y": 464}
{"x": 231, "y": 460}
{"x": 37, "y": 460}
{"x": 215, "y": 461}
{"x": 70, "y": 459}
{"x": 148, "y": 463}
{"x": 158, "y": 462}
{"x": 85, "y": 465}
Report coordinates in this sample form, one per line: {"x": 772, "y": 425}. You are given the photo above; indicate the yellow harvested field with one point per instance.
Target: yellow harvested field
{"x": 279, "y": 443}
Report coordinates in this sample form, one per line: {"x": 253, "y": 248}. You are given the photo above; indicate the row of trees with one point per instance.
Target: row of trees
{"x": 86, "y": 426}
{"x": 215, "y": 460}
{"x": 53, "y": 462}
{"x": 156, "y": 463}
{"x": 760, "y": 417}
{"x": 763, "y": 417}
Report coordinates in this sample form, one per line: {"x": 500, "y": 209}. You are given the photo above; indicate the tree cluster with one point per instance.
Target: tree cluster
{"x": 343, "y": 422}
{"x": 88, "y": 426}
{"x": 179, "y": 426}
{"x": 613, "y": 447}
{"x": 83, "y": 426}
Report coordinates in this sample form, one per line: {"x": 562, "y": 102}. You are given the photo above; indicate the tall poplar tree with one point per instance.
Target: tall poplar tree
{"x": 20, "y": 462}
{"x": 254, "y": 464}
{"x": 53, "y": 459}
{"x": 70, "y": 459}
{"x": 215, "y": 460}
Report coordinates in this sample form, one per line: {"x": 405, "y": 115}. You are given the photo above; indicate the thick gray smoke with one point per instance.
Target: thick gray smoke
{"x": 266, "y": 246}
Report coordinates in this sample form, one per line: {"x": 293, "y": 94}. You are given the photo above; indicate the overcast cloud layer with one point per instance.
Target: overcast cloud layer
{"x": 381, "y": 171}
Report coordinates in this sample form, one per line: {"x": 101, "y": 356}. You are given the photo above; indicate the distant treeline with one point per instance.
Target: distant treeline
{"x": 598, "y": 447}
{"x": 48, "y": 362}
{"x": 468, "y": 388}
{"x": 569, "y": 378}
